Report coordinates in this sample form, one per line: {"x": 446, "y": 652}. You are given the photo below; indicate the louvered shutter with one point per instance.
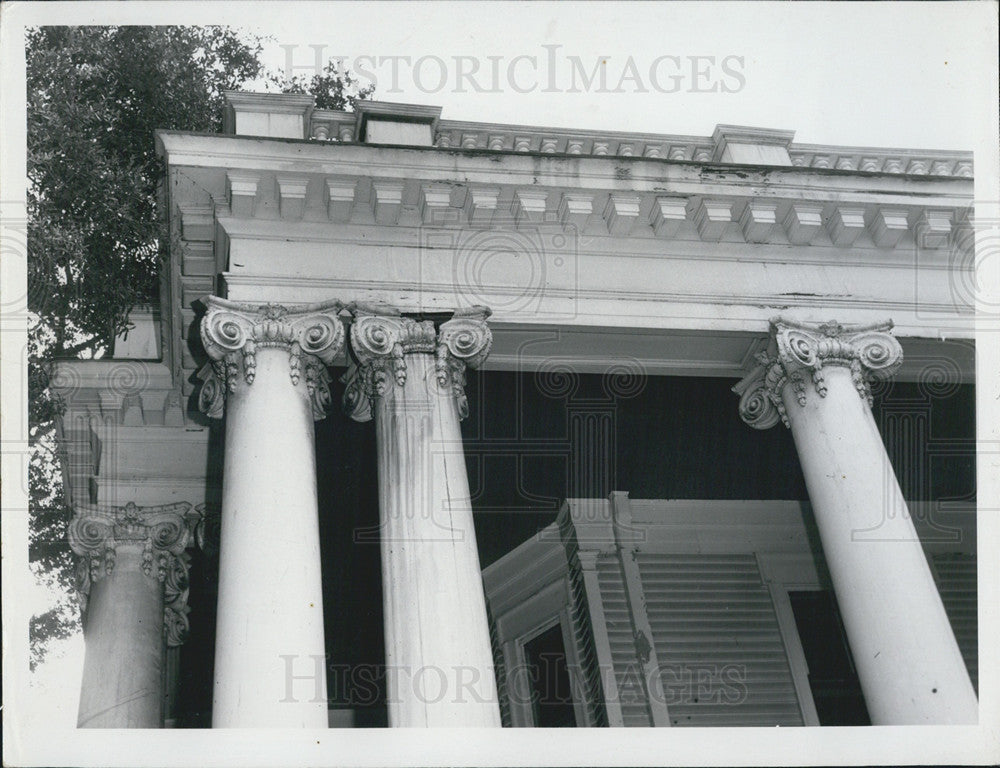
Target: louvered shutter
{"x": 583, "y": 641}
{"x": 627, "y": 669}
{"x": 959, "y": 592}
{"x": 717, "y": 640}
{"x": 499, "y": 670}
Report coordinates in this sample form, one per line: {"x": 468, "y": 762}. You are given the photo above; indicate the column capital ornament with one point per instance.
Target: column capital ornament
{"x": 163, "y": 533}
{"x": 208, "y": 531}
{"x": 231, "y": 332}
{"x": 381, "y": 338}
{"x": 798, "y": 351}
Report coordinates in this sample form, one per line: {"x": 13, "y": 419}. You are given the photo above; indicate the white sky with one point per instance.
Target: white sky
{"x": 877, "y": 75}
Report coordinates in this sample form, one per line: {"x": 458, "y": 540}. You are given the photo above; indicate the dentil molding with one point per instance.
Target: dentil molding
{"x": 801, "y": 350}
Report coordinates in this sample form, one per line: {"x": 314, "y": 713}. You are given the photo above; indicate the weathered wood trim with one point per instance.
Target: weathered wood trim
{"x": 656, "y": 699}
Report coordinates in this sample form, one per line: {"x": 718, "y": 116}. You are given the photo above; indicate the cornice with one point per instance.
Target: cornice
{"x": 357, "y": 184}
{"x": 434, "y": 163}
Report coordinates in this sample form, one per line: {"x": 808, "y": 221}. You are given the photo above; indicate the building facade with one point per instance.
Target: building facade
{"x": 638, "y": 613}
{"x": 512, "y": 317}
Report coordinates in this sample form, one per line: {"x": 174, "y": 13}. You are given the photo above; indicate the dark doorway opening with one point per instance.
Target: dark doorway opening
{"x": 551, "y": 695}
{"x": 833, "y": 679}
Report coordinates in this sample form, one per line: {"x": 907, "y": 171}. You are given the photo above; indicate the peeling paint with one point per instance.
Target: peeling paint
{"x": 642, "y": 646}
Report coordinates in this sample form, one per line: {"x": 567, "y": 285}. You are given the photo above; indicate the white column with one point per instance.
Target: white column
{"x": 410, "y": 377}
{"x": 269, "y": 377}
{"x": 814, "y": 379}
{"x": 132, "y": 579}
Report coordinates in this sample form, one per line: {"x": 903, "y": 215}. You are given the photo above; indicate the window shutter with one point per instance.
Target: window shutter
{"x": 717, "y": 639}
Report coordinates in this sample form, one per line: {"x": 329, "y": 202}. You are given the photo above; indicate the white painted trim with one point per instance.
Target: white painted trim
{"x": 780, "y": 573}
{"x": 574, "y": 665}
{"x": 602, "y": 645}
{"x": 522, "y": 703}
{"x": 522, "y": 623}
{"x": 577, "y": 172}
{"x": 526, "y": 570}
{"x": 624, "y": 531}
{"x": 794, "y": 653}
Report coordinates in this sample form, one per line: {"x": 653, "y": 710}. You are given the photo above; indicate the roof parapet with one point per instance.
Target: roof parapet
{"x": 387, "y": 122}
{"x": 751, "y": 146}
{"x": 293, "y": 116}
{"x": 275, "y": 115}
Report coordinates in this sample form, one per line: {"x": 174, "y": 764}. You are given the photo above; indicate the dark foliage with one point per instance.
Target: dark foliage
{"x": 95, "y": 241}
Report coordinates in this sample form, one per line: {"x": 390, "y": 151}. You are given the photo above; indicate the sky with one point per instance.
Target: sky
{"x": 917, "y": 75}
{"x": 873, "y": 75}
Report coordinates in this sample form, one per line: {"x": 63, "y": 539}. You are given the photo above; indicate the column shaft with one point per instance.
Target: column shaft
{"x": 410, "y": 377}
{"x": 436, "y": 632}
{"x": 814, "y": 377}
{"x": 909, "y": 664}
{"x": 122, "y": 683}
{"x": 270, "y": 614}
{"x": 270, "y": 380}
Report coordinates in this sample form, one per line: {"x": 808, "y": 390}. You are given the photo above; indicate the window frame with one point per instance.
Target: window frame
{"x": 783, "y": 573}
{"x": 548, "y": 607}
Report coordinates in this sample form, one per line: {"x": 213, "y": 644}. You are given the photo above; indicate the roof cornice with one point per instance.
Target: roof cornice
{"x": 728, "y": 143}
{"x": 202, "y": 150}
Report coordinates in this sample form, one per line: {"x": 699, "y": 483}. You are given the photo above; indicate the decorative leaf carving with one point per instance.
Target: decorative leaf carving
{"x": 163, "y": 533}
{"x": 381, "y": 339}
{"x": 233, "y": 333}
{"x": 797, "y": 349}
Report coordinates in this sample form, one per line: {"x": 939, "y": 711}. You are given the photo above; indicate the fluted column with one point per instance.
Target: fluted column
{"x": 814, "y": 378}
{"x": 131, "y": 576}
{"x": 269, "y": 377}
{"x": 410, "y": 377}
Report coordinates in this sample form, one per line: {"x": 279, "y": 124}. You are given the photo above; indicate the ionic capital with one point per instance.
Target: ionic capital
{"x": 464, "y": 341}
{"x": 160, "y": 534}
{"x": 381, "y": 339}
{"x": 800, "y": 351}
{"x": 208, "y": 531}
{"x": 313, "y": 335}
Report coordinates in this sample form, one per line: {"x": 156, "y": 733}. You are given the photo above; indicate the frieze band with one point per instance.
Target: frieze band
{"x": 802, "y": 350}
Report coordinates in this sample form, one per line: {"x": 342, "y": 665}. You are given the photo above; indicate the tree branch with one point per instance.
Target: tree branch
{"x": 77, "y": 348}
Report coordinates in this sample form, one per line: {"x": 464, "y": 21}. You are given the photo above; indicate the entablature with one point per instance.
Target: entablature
{"x": 127, "y": 435}
{"x": 314, "y": 192}
{"x": 608, "y": 248}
